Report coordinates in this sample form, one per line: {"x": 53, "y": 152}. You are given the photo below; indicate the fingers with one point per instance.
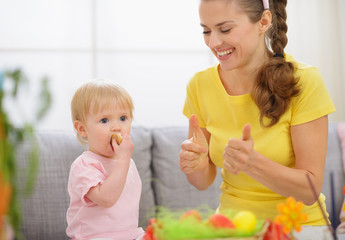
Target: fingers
{"x": 190, "y": 151}
{"x": 189, "y": 162}
{"x": 193, "y": 154}
{"x": 238, "y": 152}
{"x": 234, "y": 164}
{"x": 191, "y": 146}
{"x": 188, "y": 167}
{"x": 231, "y": 167}
{"x": 190, "y": 155}
{"x": 237, "y": 149}
{"x": 235, "y": 160}
{"x": 125, "y": 136}
{"x": 123, "y": 151}
{"x": 125, "y": 141}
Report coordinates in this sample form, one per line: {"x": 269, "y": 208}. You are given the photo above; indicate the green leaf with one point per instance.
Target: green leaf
{"x": 11, "y": 137}
{"x": 45, "y": 99}
{"x": 18, "y": 78}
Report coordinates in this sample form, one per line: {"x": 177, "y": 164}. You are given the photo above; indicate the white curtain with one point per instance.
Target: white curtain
{"x": 317, "y": 36}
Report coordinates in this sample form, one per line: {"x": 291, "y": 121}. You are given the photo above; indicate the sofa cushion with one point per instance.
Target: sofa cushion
{"x": 44, "y": 211}
{"x": 142, "y": 140}
{"x": 341, "y": 134}
{"x": 171, "y": 186}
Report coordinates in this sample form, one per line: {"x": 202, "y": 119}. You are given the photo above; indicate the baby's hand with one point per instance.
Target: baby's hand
{"x": 123, "y": 147}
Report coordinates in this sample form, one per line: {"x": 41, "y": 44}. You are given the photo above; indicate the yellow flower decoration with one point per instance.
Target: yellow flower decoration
{"x": 291, "y": 215}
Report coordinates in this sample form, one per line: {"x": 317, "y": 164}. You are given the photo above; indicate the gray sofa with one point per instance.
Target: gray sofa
{"x": 156, "y": 156}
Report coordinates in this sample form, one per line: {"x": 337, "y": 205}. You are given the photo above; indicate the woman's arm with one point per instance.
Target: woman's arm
{"x": 194, "y": 158}
{"x": 310, "y": 147}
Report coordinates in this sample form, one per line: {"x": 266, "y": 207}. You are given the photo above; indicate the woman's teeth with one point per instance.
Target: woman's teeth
{"x": 222, "y": 54}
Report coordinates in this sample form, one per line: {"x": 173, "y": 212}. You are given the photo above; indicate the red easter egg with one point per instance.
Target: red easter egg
{"x": 219, "y": 220}
{"x": 192, "y": 214}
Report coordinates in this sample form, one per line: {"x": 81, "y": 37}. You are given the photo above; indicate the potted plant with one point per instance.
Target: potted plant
{"x": 10, "y": 137}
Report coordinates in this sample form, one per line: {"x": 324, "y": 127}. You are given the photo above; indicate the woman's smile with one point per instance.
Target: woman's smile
{"x": 224, "y": 54}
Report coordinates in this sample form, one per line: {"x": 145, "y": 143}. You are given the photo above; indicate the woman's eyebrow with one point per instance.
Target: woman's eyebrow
{"x": 219, "y": 24}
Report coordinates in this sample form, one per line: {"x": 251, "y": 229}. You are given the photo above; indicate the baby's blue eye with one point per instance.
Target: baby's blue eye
{"x": 104, "y": 120}
{"x": 123, "y": 118}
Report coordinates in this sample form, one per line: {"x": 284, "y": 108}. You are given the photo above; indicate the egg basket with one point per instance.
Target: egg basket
{"x": 258, "y": 236}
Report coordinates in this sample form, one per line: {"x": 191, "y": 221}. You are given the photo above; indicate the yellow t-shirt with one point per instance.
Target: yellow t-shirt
{"x": 224, "y": 117}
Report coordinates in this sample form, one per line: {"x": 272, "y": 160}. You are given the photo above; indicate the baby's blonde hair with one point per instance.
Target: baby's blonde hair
{"x": 98, "y": 95}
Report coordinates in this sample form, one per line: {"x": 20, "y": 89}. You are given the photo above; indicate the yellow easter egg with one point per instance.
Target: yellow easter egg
{"x": 245, "y": 221}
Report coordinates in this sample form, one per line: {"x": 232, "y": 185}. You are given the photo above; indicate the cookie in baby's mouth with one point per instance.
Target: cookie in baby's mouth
{"x": 117, "y": 137}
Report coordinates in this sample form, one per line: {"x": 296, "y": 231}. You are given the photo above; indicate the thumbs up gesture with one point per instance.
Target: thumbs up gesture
{"x": 239, "y": 153}
{"x": 194, "y": 150}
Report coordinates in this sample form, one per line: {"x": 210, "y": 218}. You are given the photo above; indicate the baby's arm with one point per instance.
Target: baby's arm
{"x": 107, "y": 193}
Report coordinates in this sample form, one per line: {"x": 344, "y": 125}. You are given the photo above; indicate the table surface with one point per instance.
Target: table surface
{"x": 311, "y": 233}
{"x": 317, "y": 233}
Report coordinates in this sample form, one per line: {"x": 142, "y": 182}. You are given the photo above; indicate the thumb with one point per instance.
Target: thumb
{"x": 246, "y": 132}
{"x": 195, "y": 131}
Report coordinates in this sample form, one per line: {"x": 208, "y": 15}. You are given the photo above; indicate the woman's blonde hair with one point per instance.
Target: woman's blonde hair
{"x": 97, "y": 95}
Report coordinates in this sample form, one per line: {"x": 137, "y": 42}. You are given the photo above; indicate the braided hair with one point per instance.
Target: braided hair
{"x": 275, "y": 83}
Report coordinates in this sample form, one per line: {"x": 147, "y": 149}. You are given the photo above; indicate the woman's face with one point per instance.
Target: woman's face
{"x": 229, "y": 33}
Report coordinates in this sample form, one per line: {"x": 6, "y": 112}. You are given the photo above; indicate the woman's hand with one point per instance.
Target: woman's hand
{"x": 239, "y": 153}
{"x": 194, "y": 150}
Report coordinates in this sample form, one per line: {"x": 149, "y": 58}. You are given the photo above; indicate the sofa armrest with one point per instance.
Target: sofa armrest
{"x": 334, "y": 164}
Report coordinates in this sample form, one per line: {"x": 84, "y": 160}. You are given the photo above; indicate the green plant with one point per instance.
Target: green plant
{"x": 10, "y": 137}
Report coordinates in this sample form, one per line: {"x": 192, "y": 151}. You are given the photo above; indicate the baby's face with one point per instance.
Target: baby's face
{"x": 101, "y": 125}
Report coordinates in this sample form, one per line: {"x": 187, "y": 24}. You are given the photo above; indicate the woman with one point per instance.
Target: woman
{"x": 258, "y": 114}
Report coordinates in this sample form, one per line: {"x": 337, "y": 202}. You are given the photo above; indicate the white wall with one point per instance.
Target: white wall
{"x": 317, "y": 36}
{"x": 151, "y": 47}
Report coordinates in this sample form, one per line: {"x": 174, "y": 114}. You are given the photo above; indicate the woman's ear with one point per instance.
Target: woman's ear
{"x": 265, "y": 21}
{"x": 80, "y": 128}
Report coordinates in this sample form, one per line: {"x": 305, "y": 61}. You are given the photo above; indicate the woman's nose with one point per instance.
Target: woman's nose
{"x": 214, "y": 41}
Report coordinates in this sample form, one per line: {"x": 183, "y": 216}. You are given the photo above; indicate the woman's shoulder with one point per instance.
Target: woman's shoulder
{"x": 313, "y": 100}
{"x": 301, "y": 66}
{"x": 205, "y": 75}
{"x": 207, "y": 71}
{"x": 306, "y": 73}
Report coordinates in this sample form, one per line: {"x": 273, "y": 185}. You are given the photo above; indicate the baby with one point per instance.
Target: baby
{"x": 104, "y": 185}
